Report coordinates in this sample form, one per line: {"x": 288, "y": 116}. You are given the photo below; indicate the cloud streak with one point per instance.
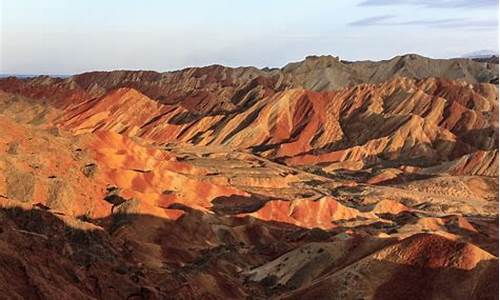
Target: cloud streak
{"x": 453, "y": 23}
{"x": 435, "y": 3}
{"x": 373, "y": 21}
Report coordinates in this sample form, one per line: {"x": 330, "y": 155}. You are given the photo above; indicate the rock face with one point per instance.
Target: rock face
{"x": 377, "y": 178}
{"x": 433, "y": 120}
{"x": 214, "y": 89}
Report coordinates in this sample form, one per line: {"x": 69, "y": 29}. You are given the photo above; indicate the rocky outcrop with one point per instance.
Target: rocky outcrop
{"x": 428, "y": 261}
{"x": 431, "y": 119}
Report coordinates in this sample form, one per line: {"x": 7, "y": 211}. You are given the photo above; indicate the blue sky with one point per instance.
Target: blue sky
{"x": 73, "y": 36}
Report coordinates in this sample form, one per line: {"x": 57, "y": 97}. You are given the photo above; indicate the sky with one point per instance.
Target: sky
{"x": 74, "y": 36}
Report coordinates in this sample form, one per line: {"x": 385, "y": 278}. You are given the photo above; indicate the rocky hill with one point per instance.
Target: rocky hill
{"x": 377, "y": 178}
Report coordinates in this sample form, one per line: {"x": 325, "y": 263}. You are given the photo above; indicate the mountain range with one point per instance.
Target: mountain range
{"x": 325, "y": 179}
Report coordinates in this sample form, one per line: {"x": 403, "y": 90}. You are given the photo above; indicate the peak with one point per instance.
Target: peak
{"x": 125, "y": 91}
{"x": 313, "y": 61}
{"x": 322, "y": 57}
{"x": 410, "y": 56}
{"x": 322, "y": 60}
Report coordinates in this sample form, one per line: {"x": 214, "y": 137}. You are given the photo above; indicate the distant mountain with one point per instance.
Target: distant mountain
{"x": 481, "y": 54}
{"x": 328, "y": 73}
{"x": 31, "y": 75}
{"x": 219, "y": 105}
{"x": 214, "y": 89}
{"x": 490, "y": 59}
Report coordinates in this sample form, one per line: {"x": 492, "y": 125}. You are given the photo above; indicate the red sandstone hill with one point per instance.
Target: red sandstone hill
{"x": 434, "y": 120}
{"x": 217, "y": 88}
{"x": 379, "y": 179}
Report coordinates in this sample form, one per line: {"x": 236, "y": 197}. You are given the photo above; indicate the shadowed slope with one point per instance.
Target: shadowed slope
{"x": 434, "y": 120}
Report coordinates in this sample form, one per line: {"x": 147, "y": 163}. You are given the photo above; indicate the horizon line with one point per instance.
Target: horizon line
{"x": 62, "y": 75}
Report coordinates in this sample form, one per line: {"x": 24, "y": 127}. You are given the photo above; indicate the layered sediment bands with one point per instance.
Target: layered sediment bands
{"x": 379, "y": 179}
{"x": 482, "y": 163}
{"x": 433, "y": 120}
{"x": 152, "y": 176}
{"x": 209, "y": 90}
{"x": 215, "y": 89}
{"x": 322, "y": 213}
{"x": 408, "y": 119}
